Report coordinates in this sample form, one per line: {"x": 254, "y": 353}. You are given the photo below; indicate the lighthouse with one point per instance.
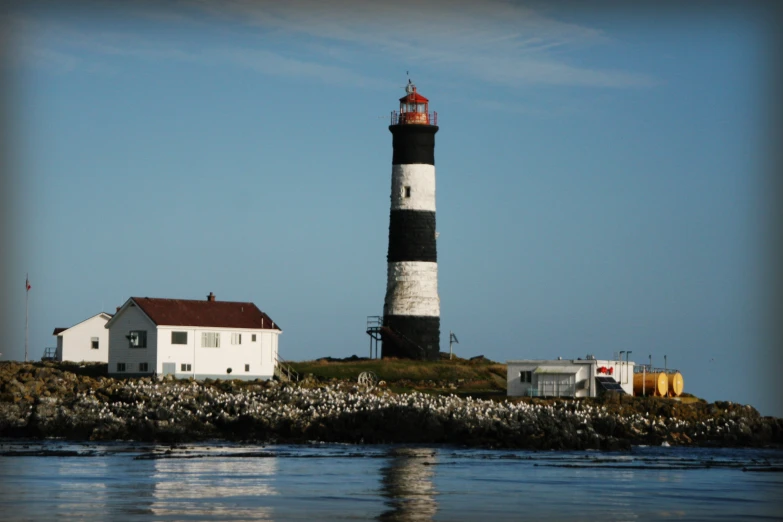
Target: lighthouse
{"x": 411, "y": 309}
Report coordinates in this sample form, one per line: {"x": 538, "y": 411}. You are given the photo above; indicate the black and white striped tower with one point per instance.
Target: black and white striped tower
{"x": 411, "y": 310}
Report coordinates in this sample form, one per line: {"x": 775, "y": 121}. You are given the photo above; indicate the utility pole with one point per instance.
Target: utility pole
{"x": 26, "y": 309}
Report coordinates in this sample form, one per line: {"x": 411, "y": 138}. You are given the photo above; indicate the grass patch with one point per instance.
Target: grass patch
{"x": 483, "y": 375}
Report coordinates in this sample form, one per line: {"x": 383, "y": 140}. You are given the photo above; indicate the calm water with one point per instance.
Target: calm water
{"x": 327, "y": 482}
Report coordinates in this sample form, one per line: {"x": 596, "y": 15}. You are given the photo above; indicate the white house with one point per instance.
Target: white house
{"x": 189, "y": 338}
{"x": 87, "y": 341}
{"x": 568, "y": 378}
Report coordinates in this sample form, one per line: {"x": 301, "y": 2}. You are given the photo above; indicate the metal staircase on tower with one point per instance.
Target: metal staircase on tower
{"x": 378, "y": 332}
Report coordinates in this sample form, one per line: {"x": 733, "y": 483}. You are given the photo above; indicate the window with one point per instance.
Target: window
{"x": 236, "y": 338}
{"x": 406, "y": 191}
{"x": 179, "y": 337}
{"x": 210, "y": 339}
{"x": 94, "y": 341}
{"x": 144, "y": 367}
{"x": 137, "y": 338}
{"x": 253, "y": 338}
{"x": 120, "y": 367}
{"x": 184, "y": 367}
{"x": 526, "y": 376}
{"x": 247, "y": 367}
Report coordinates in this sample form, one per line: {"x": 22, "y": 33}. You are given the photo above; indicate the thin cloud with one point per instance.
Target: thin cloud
{"x": 274, "y": 64}
{"x": 74, "y": 47}
{"x": 493, "y": 41}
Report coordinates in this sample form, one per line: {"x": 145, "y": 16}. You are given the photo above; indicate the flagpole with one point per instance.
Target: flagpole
{"x": 26, "y": 309}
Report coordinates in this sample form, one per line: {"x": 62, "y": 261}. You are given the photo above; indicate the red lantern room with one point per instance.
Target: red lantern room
{"x": 414, "y": 109}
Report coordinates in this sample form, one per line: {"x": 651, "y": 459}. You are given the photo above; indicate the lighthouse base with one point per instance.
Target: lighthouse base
{"x": 411, "y": 337}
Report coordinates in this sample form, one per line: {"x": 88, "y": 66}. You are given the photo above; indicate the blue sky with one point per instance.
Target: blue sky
{"x": 599, "y": 173}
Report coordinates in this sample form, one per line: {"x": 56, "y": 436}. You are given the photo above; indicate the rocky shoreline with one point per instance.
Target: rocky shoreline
{"x": 39, "y": 400}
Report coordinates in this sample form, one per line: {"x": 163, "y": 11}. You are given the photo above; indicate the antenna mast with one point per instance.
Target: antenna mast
{"x": 452, "y": 340}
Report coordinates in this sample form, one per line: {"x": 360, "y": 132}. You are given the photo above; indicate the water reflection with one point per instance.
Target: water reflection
{"x": 129, "y": 491}
{"x": 89, "y": 488}
{"x": 223, "y": 488}
{"x": 406, "y": 483}
{"x": 85, "y": 490}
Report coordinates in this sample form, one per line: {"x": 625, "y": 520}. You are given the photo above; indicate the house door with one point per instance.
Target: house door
{"x": 169, "y": 368}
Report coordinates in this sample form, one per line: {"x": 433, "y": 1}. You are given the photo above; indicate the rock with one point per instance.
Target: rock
{"x": 82, "y": 407}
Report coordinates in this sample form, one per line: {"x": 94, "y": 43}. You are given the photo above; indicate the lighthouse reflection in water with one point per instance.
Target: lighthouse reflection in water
{"x": 406, "y": 483}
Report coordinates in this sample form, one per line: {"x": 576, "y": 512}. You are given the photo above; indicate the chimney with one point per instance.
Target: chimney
{"x": 211, "y": 297}
{"x": 118, "y": 308}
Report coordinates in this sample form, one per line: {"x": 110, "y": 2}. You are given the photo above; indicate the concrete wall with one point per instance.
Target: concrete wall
{"x": 75, "y": 343}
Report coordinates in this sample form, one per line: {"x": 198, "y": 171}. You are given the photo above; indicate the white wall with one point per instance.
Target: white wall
{"x": 421, "y": 180}
{"x": 127, "y": 319}
{"x": 213, "y": 362}
{"x": 75, "y": 343}
{"x": 581, "y": 379}
{"x": 514, "y": 385}
{"x": 412, "y": 289}
{"x": 622, "y": 373}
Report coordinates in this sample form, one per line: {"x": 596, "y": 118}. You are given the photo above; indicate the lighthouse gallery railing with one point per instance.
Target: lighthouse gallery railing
{"x": 433, "y": 118}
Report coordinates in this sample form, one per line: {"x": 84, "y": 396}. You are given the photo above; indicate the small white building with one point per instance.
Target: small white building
{"x": 568, "y": 378}
{"x": 189, "y": 338}
{"x": 87, "y": 341}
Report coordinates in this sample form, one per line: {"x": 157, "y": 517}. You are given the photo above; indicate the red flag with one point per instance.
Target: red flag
{"x": 27, "y": 283}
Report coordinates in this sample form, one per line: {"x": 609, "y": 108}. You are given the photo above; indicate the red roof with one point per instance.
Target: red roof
{"x": 414, "y": 97}
{"x": 186, "y": 312}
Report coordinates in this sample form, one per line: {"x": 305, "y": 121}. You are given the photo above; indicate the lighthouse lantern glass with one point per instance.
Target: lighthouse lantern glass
{"x": 414, "y": 108}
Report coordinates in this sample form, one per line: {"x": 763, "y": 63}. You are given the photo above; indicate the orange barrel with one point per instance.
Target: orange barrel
{"x": 653, "y": 383}
{"x": 675, "y": 384}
